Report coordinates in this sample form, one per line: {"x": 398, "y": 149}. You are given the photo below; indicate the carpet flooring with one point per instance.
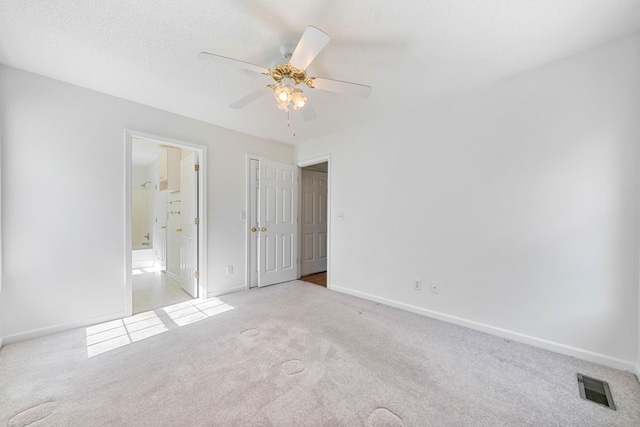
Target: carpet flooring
{"x": 297, "y": 354}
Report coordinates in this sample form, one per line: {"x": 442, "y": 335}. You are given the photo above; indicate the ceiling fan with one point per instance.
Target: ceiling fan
{"x": 292, "y": 74}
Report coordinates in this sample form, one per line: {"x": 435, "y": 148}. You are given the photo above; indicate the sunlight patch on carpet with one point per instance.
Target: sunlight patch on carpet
{"x": 121, "y": 332}
{"x": 118, "y": 333}
{"x": 188, "y": 312}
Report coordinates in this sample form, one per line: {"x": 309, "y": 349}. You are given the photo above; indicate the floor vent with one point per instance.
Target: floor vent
{"x": 596, "y": 391}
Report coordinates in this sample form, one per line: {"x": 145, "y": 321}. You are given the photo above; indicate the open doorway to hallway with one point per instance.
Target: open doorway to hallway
{"x": 165, "y": 222}
{"x": 314, "y": 223}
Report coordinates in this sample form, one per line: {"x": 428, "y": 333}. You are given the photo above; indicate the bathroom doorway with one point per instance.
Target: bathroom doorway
{"x": 166, "y": 223}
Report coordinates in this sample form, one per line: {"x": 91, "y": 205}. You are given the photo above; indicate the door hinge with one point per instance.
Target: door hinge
{"x": 197, "y": 274}
{"x": 197, "y": 221}
{"x": 196, "y": 167}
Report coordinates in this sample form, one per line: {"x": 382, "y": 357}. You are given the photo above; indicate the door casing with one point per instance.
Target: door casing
{"x": 202, "y": 210}
{"x": 309, "y": 162}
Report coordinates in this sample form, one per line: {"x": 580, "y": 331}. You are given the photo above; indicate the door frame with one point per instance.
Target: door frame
{"x": 247, "y": 225}
{"x": 310, "y": 162}
{"x": 202, "y": 210}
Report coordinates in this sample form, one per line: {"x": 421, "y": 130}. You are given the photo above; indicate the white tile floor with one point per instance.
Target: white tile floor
{"x": 153, "y": 289}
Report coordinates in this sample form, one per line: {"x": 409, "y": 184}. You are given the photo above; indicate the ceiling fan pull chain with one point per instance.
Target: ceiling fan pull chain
{"x": 289, "y": 121}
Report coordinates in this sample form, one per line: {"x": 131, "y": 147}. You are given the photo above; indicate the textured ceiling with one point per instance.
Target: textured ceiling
{"x": 411, "y": 52}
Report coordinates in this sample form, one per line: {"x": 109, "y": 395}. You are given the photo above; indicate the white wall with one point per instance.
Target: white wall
{"x": 1, "y": 256}
{"x": 63, "y": 177}
{"x": 520, "y": 197}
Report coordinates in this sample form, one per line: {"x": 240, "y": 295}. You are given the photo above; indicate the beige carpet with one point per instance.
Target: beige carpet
{"x": 297, "y": 354}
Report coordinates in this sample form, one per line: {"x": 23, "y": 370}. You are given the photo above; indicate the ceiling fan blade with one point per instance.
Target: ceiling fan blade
{"x": 311, "y": 43}
{"x": 249, "y": 98}
{"x": 229, "y": 61}
{"x": 341, "y": 87}
{"x": 307, "y": 112}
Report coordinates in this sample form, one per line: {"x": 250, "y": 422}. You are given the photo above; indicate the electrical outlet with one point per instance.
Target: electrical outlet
{"x": 435, "y": 287}
{"x": 417, "y": 284}
{"x": 229, "y": 269}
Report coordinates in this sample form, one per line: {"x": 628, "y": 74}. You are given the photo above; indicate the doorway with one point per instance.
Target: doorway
{"x": 313, "y": 223}
{"x": 315, "y": 220}
{"x": 165, "y": 219}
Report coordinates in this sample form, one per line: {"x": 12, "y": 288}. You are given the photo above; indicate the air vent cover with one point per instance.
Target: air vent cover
{"x": 596, "y": 391}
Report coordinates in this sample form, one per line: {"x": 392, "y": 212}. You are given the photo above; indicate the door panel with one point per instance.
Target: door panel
{"x": 307, "y": 249}
{"x": 314, "y": 224}
{"x": 189, "y": 226}
{"x": 322, "y": 248}
{"x": 253, "y": 222}
{"x": 287, "y": 252}
{"x": 270, "y": 259}
{"x": 277, "y": 220}
{"x": 271, "y": 205}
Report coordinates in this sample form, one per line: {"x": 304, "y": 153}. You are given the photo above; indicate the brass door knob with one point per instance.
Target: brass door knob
{"x": 263, "y": 229}
{"x": 179, "y": 230}
{"x": 254, "y": 229}
{"x": 163, "y": 226}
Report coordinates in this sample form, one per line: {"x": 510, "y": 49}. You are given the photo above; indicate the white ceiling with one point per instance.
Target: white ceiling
{"x": 410, "y": 51}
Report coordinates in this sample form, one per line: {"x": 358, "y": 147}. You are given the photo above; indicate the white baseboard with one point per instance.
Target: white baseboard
{"x": 556, "y": 347}
{"x": 35, "y": 333}
{"x": 172, "y": 276}
{"x": 637, "y": 371}
{"x": 1, "y": 342}
{"x": 216, "y": 293}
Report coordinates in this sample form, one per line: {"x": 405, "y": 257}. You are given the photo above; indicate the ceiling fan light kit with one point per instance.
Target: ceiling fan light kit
{"x": 286, "y": 77}
{"x": 293, "y": 73}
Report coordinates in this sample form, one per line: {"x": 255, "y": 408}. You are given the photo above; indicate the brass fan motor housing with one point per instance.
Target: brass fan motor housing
{"x": 280, "y": 72}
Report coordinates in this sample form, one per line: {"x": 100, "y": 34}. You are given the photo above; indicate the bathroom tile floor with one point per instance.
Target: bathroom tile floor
{"x": 153, "y": 289}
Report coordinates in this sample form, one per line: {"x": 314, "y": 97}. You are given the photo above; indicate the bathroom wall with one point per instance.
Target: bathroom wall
{"x": 142, "y": 206}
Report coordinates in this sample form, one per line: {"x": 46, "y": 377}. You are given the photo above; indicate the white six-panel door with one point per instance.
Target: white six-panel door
{"x": 277, "y": 210}
{"x": 313, "y": 253}
{"x": 189, "y": 226}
